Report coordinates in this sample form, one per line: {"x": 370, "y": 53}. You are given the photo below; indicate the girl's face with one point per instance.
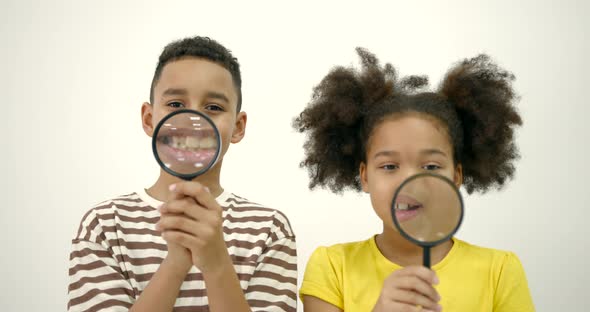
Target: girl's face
{"x": 399, "y": 148}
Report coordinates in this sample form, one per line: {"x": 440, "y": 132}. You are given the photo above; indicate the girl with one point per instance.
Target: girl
{"x": 368, "y": 130}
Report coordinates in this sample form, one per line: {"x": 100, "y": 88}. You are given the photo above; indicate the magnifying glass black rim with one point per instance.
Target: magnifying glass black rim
{"x": 398, "y": 226}
{"x": 172, "y": 172}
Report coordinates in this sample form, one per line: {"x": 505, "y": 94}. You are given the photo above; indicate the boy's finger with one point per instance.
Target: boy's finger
{"x": 197, "y": 191}
{"x": 178, "y": 223}
{"x": 183, "y": 239}
{"x": 185, "y": 206}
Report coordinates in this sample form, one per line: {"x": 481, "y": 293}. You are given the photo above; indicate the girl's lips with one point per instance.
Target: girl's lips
{"x": 406, "y": 207}
{"x": 406, "y": 199}
{"x": 405, "y": 215}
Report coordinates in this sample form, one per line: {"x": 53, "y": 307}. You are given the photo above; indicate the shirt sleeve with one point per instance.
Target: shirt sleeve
{"x": 273, "y": 285}
{"x": 96, "y": 282}
{"x": 512, "y": 292}
{"x": 322, "y": 279}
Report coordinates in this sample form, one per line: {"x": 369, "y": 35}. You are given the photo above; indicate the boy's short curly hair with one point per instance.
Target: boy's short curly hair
{"x": 200, "y": 47}
{"x": 474, "y": 102}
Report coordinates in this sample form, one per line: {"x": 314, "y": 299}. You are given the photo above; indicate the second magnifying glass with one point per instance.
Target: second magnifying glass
{"x": 427, "y": 209}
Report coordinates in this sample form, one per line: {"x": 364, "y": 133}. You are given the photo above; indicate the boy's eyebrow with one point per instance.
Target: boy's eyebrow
{"x": 184, "y": 92}
{"x": 217, "y": 95}
{"x": 174, "y": 91}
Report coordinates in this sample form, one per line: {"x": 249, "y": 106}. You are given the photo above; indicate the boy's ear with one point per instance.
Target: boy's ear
{"x": 458, "y": 177}
{"x": 239, "y": 128}
{"x": 363, "y": 176}
{"x": 146, "y": 118}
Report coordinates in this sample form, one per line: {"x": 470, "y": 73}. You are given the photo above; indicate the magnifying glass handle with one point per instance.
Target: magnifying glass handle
{"x": 426, "y": 256}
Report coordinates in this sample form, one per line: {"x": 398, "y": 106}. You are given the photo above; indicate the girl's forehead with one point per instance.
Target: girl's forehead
{"x": 409, "y": 133}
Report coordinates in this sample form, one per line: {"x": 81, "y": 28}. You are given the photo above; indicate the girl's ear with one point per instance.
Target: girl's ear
{"x": 458, "y": 176}
{"x": 363, "y": 175}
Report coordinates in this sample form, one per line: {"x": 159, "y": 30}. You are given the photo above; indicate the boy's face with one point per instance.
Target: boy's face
{"x": 201, "y": 85}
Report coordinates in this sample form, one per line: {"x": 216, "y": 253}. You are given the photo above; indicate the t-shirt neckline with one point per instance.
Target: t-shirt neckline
{"x": 448, "y": 258}
{"x": 144, "y": 196}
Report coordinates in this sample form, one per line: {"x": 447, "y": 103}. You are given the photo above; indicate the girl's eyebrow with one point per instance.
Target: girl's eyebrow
{"x": 433, "y": 151}
{"x": 425, "y": 152}
{"x": 386, "y": 153}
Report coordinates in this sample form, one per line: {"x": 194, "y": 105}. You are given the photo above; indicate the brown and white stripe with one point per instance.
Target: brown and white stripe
{"x": 117, "y": 250}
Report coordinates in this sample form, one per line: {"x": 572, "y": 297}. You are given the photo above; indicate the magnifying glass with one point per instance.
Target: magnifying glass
{"x": 427, "y": 209}
{"x": 186, "y": 143}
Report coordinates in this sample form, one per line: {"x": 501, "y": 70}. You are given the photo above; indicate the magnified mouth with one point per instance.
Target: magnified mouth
{"x": 406, "y": 208}
{"x": 198, "y": 151}
{"x": 189, "y": 143}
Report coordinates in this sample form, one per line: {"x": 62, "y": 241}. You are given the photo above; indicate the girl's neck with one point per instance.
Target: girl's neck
{"x": 161, "y": 192}
{"x": 400, "y": 251}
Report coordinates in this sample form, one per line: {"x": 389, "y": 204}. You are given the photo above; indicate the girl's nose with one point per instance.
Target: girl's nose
{"x": 407, "y": 173}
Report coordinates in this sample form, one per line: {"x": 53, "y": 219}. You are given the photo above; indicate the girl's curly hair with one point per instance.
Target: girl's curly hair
{"x": 475, "y": 101}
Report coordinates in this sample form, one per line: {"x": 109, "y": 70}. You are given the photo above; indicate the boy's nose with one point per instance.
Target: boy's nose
{"x": 192, "y": 105}
{"x": 197, "y": 107}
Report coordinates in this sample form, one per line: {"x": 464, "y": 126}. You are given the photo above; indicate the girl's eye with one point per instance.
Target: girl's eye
{"x": 430, "y": 167}
{"x": 389, "y": 167}
{"x": 175, "y": 104}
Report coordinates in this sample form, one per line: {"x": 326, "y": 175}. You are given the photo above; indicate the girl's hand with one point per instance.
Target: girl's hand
{"x": 409, "y": 289}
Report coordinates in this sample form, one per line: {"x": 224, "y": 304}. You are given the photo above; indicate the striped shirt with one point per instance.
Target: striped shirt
{"x": 117, "y": 249}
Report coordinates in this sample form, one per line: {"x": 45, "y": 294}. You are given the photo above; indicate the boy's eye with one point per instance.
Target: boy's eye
{"x": 214, "y": 107}
{"x": 175, "y": 104}
{"x": 431, "y": 167}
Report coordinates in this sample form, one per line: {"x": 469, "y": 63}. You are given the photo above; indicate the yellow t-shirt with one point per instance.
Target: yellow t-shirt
{"x": 351, "y": 275}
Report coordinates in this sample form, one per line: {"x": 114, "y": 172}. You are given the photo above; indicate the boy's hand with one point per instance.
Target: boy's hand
{"x": 193, "y": 220}
{"x": 179, "y": 257}
{"x": 409, "y": 289}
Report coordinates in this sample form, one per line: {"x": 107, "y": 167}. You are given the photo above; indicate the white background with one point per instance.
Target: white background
{"x": 74, "y": 74}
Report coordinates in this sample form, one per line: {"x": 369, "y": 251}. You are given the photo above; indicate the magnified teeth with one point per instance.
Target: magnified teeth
{"x": 192, "y": 142}
{"x": 402, "y": 206}
{"x": 177, "y": 142}
{"x": 207, "y": 143}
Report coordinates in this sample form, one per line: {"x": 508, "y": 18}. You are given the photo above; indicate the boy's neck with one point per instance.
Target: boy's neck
{"x": 161, "y": 192}
{"x": 400, "y": 251}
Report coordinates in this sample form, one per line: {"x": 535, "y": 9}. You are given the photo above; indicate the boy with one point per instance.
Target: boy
{"x": 186, "y": 245}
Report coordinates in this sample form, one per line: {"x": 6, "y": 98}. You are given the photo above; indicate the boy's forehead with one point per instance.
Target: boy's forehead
{"x": 196, "y": 76}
